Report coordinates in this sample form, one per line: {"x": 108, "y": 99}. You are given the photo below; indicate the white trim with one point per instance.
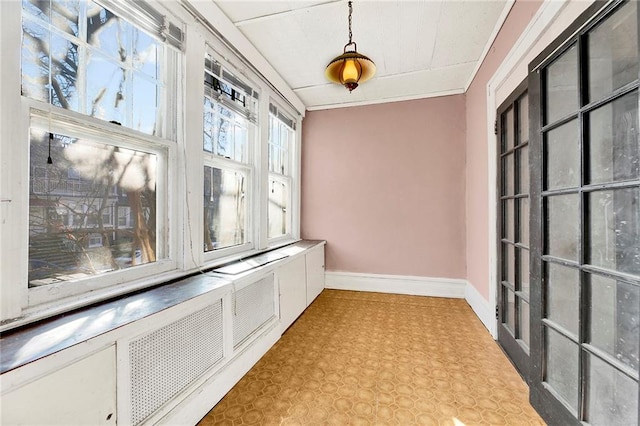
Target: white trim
{"x": 482, "y": 308}
{"x": 494, "y": 34}
{"x": 384, "y": 100}
{"x": 396, "y": 284}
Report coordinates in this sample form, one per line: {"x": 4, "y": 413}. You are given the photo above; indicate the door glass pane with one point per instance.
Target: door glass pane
{"x": 562, "y": 296}
{"x": 523, "y": 213}
{"x": 614, "y": 229}
{"x": 510, "y": 310}
{"x": 508, "y": 263}
{"x": 524, "y": 322}
{"x": 523, "y": 124}
{"x": 562, "y": 367}
{"x": 562, "y": 156}
{"x": 524, "y": 270}
{"x": 563, "y": 219}
{"x": 614, "y": 318}
{"x": 613, "y": 52}
{"x": 508, "y": 220}
{"x": 523, "y": 170}
{"x": 613, "y": 145}
{"x": 562, "y": 86}
{"x": 507, "y": 123}
{"x": 612, "y": 396}
{"x": 507, "y": 175}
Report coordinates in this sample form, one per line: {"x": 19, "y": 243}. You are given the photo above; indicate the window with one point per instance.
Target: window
{"x": 82, "y": 61}
{"x": 281, "y": 139}
{"x": 107, "y": 180}
{"x": 83, "y": 57}
{"x": 229, "y": 145}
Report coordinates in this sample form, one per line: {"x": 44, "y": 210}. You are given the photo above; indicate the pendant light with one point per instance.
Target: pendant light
{"x": 350, "y": 68}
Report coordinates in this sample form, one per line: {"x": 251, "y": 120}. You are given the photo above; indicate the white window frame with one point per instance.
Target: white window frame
{"x": 183, "y": 159}
{"x": 250, "y": 168}
{"x": 19, "y": 303}
{"x": 288, "y": 178}
{"x": 61, "y": 121}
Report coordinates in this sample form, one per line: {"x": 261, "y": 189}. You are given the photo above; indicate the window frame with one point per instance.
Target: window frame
{"x": 182, "y": 142}
{"x": 285, "y": 178}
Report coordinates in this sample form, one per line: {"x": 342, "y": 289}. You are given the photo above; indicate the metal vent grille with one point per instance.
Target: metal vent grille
{"x": 253, "y": 306}
{"x": 167, "y": 360}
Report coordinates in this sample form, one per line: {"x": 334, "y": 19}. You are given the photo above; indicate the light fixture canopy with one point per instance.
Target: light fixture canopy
{"x": 351, "y": 68}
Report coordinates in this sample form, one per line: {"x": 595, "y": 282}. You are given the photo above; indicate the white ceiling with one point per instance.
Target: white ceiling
{"x": 421, "y": 48}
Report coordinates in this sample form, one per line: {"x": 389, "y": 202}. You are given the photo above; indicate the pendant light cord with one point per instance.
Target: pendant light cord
{"x": 350, "y": 33}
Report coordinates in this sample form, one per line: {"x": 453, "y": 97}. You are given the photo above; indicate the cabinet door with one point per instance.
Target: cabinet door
{"x": 293, "y": 291}
{"x": 83, "y": 393}
{"x": 315, "y": 273}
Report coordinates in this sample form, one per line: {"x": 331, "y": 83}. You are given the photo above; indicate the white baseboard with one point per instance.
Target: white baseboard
{"x": 397, "y": 284}
{"x": 483, "y": 309}
{"x": 417, "y": 286}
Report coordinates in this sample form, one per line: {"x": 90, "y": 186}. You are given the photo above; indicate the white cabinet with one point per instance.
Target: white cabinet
{"x": 315, "y": 272}
{"x": 83, "y": 393}
{"x": 293, "y": 291}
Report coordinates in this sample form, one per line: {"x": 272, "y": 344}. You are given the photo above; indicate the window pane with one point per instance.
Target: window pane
{"x": 35, "y": 61}
{"x": 69, "y": 237}
{"x": 613, "y": 52}
{"x": 508, "y": 220}
{"x": 225, "y": 132}
{"x": 612, "y": 396}
{"x": 562, "y": 86}
{"x": 100, "y": 72}
{"x": 145, "y": 53}
{"x": 562, "y": 156}
{"x": 278, "y": 209}
{"x": 224, "y": 208}
{"x": 523, "y": 213}
{"x": 508, "y": 133}
{"x": 615, "y": 313}
{"x": 510, "y": 309}
{"x": 563, "y": 221}
{"x": 108, "y": 33}
{"x": 613, "y": 145}
{"x": 145, "y": 98}
{"x": 106, "y": 89}
{"x": 614, "y": 230}
{"x": 280, "y": 137}
{"x": 561, "y": 295}
{"x": 562, "y": 367}
{"x": 523, "y": 124}
{"x": 507, "y": 175}
{"x": 524, "y": 271}
{"x": 524, "y": 322}
{"x": 508, "y": 263}
{"x": 523, "y": 170}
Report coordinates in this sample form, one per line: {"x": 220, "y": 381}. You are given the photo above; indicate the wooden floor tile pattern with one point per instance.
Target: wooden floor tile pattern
{"x": 357, "y": 358}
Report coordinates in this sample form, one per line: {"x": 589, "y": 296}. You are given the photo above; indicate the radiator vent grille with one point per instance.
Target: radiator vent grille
{"x": 253, "y": 306}
{"x": 167, "y": 360}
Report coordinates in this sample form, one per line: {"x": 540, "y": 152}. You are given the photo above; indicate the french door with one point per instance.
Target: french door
{"x": 585, "y": 208}
{"x": 513, "y": 217}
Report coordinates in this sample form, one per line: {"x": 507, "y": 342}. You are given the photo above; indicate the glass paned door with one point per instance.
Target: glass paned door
{"x": 513, "y": 270}
{"x": 585, "y": 247}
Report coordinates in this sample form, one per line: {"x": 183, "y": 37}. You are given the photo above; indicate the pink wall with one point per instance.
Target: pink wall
{"x": 385, "y": 186}
{"x": 477, "y": 237}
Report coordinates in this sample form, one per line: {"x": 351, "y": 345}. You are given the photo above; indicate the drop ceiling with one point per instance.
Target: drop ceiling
{"x": 421, "y": 48}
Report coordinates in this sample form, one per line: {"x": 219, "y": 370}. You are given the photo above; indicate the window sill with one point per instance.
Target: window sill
{"x": 34, "y": 341}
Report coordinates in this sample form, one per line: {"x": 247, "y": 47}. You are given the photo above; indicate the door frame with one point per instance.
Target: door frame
{"x": 552, "y": 17}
